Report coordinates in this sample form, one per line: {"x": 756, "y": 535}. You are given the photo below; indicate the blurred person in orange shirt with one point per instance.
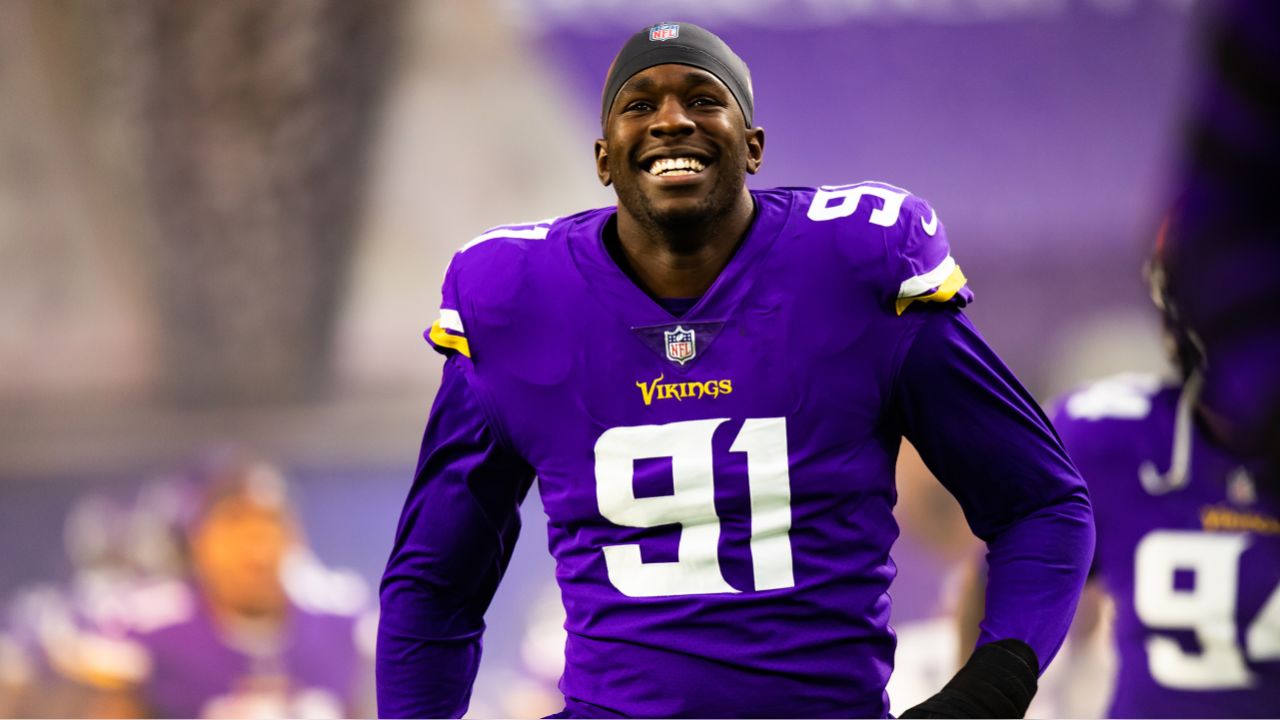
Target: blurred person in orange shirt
{"x": 271, "y": 633}
{"x": 259, "y": 628}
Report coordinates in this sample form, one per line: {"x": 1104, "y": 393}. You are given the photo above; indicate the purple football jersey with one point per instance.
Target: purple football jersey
{"x": 1188, "y": 548}
{"x": 719, "y": 485}
{"x": 200, "y": 670}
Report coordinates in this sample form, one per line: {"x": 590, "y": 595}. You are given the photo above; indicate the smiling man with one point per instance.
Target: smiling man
{"x": 711, "y": 385}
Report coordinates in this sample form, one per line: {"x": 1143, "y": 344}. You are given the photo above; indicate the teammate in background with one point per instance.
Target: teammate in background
{"x": 1225, "y": 256}
{"x": 243, "y": 644}
{"x": 1193, "y": 564}
{"x": 1188, "y": 545}
{"x": 711, "y": 385}
{"x": 69, "y": 640}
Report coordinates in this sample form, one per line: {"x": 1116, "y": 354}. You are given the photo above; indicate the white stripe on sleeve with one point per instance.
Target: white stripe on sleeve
{"x": 921, "y": 284}
{"x": 451, "y": 320}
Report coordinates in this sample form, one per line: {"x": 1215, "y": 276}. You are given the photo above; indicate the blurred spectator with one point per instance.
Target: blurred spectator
{"x": 254, "y": 627}
{"x": 67, "y": 649}
{"x": 246, "y": 647}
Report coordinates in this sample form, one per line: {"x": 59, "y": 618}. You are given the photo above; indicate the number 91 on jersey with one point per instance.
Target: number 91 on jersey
{"x": 691, "y": 504}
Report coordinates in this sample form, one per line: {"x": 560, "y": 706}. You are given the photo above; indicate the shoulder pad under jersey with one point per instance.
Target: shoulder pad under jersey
{"x": 448, "y": 334}
{"x": 919, "y": 256}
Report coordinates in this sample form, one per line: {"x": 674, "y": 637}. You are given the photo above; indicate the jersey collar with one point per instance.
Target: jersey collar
{"x": 634, "y": 307}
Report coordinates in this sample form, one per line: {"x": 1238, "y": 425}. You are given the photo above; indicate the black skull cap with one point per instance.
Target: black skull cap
{"x": 679, "y": 43}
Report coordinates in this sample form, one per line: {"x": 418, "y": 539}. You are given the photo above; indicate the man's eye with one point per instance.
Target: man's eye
{"x": 638, "y": 106}
{"x": 703, "y": 101}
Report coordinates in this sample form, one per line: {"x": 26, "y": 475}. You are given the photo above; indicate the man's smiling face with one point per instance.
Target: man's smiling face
{"x": 676, "y": 146}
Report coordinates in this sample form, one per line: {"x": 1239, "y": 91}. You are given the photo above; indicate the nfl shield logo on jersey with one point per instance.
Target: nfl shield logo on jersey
{"x": 665, "y": 31}
{"x": 680, "y": 345}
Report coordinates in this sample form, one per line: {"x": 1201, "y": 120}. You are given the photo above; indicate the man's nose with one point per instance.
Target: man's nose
{"x": 671, "y": 118}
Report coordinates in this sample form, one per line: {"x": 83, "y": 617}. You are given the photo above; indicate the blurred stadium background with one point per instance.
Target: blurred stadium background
{"x": 227, "y": 222}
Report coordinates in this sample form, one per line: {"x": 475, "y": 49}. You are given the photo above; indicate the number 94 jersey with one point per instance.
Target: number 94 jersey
{"x": 718, "y": 485}
{"x": 1188, "y": 548}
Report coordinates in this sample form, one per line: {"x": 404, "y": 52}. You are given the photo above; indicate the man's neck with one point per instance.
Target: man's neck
{"x": 683, "y": 262}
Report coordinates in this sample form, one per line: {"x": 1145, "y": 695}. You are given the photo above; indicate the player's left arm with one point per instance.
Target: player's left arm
{"x": 992, "y": 447}
{"x": 1074, "y": 690}
{"x": 986, "y": 439}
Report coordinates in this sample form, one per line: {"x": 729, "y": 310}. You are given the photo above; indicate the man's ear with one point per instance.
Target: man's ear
{"x": 602, "y": 163}
{"x": 755, "y": 149}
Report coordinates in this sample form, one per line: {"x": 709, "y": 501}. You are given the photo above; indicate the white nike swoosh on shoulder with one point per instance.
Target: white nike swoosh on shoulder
{"x": 930, "y": 226}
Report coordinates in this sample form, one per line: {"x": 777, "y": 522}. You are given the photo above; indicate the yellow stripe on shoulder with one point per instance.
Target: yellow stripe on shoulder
{"x": 945, "y": 291}
{"x": 441, "y": 338}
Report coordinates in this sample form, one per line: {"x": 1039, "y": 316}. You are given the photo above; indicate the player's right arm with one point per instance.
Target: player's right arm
{"x": 455, "y": 538}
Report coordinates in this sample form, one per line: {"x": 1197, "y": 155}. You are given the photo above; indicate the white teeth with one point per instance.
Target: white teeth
{"x": 676, "y": 166}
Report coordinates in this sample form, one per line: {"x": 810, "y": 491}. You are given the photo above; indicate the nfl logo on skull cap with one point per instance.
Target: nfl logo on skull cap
{"x": 680, "y": 345}
{"x": 665, "y": 31}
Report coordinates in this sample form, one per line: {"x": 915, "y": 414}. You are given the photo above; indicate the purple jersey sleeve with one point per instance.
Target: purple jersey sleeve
{"x": 447, "y": 334}
{"x": 990, "y": 445}
{"x": 921, "y": 261}
{"x": 454, "y": 541}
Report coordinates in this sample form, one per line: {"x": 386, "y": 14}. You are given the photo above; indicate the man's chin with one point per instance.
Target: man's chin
{"x": 680, "y": 212}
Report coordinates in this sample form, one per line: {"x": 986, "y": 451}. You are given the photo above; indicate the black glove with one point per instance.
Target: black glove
{"x": 998, "y": 682}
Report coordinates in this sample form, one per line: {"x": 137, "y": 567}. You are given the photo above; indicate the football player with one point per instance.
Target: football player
{"x": 247, "y": 645}
{"x": 711, "y": 385}
{"x": 1227, "y": 252}
{"x": 1188, "y": 545}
